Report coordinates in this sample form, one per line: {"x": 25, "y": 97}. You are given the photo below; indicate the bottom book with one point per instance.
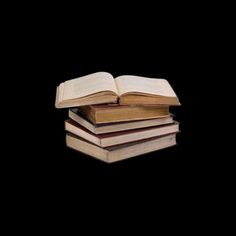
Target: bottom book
{"x": 122, "y": 151}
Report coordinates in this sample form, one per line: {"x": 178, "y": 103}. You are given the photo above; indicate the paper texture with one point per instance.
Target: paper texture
{"x": 87, "y": 85}
{"x": 129, "y": 83}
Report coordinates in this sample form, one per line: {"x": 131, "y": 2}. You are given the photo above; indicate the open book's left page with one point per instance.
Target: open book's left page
{"x": 87, "y": 85}
{"x": 95, "y": 88}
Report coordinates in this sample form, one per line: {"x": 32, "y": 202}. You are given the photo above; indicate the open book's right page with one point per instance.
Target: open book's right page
{"x": 136, "y": 85}
{"x": 130, "y": 83}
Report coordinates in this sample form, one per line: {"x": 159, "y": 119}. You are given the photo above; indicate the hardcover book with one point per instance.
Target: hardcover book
{"x": 120, "y": 152}
{"x": 110, "y": 139}
{"x": 75, "y": 115}
{"x": 102, "y": 87}
{"x": 99, "y": 114}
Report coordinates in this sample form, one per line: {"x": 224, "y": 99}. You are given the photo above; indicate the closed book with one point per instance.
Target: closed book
{"x": 100, "y": 114}
{"x": 110, "y": 139}
{"x": 75, "y": 115}
{"x": 120, "y": 152}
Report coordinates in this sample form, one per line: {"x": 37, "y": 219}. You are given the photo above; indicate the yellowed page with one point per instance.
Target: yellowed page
{"x": 130, "y": 83}
{"x": 88, "y": 85}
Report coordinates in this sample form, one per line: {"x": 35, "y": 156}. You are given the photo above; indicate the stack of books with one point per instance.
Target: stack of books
{"x": 113, "y": 119}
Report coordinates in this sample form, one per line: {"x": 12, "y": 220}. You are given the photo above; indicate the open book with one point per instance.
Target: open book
{"x": 102, "y": 87}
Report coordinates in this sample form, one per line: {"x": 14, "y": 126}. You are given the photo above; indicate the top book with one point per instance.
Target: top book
{"x": 102, "y": 87}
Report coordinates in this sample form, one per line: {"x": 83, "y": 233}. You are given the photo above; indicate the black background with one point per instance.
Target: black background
{"x": 163, "y": 44}
{"x": 51, "y": 44}
{"x": 165, "y": 56}
{"x": 44, "y": 45}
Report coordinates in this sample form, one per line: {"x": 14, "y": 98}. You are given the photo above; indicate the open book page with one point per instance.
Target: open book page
{"x": 137, "y": 84}
{"x": 88, "y": 85}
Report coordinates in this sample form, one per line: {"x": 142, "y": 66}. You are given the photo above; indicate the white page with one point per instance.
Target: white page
{"x": 88, "y": 85}
{"x": 130, "y": 83}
